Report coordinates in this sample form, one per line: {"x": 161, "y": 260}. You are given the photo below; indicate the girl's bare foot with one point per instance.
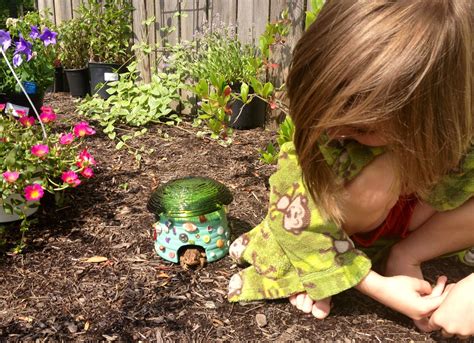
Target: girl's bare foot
{"x": 318, "y": 308}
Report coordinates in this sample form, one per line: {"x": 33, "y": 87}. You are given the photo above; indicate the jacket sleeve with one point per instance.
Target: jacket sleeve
{"x": 456, "y": 188}
{"x": 321, "y": 253}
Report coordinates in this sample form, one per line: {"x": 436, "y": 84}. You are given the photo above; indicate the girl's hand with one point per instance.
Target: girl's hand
{"x": 407, "y": 295}
{"x": 455, "y": 315}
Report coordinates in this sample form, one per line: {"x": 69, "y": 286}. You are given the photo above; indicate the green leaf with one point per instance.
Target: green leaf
{"x": 244, "y": 92}
{"x": 267, "y": 89}
{"x": 11, "y": 158}
{"x": 119, "y": 145}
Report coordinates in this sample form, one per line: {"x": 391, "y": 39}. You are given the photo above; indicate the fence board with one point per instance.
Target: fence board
{"x": 169, "y": 19}
{"x": 139, "y": 34}
{"x": 62, "y": 10}
{"x": 244, "y": 20}
{"x": 75, "y": 5}
{"x": 150, "y": 12}
{"x": 280, "y": 54}
{"x": 223, "y": 11}
{"x": 193, "y": 14}
{"x": 44, "y": 4}
{"x": 261, "y": 10}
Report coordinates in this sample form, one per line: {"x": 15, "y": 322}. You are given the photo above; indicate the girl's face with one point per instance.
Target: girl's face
{"x": 363, "y": 136}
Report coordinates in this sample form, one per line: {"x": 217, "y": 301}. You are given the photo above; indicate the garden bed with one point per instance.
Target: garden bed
{"x": 50, "y": 292}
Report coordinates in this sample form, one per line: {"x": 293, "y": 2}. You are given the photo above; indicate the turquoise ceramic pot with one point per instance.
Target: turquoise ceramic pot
{"x": 191, "y": 212}
{"x": 209, "y": 231}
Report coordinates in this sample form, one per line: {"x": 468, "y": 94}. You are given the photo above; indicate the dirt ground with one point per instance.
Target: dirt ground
{"x": 50, "y": 293}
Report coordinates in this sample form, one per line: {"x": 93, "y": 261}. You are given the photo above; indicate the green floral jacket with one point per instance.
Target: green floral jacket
{"x": 294, "y": 249}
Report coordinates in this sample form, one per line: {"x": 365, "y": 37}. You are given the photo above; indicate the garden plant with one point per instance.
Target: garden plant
{"x": 32, "y": 164}
{"x": 29, "y": 45}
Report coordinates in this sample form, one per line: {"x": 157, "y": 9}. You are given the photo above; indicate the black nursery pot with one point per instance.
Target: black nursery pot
{"x": 59, "y": 80}
{"x": 20, "y": 99}
{"x": 78, "y": 82}
{"x": 247, "y": 116}
{"x": 101, "y": 73}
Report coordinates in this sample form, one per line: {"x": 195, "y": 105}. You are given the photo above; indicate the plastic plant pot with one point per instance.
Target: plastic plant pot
{"x": 100, "y": 74}
{"x": 78, "y": 82}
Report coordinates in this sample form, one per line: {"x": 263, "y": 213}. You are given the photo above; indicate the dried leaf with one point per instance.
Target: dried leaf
{"x": 95, "y": 259}
{"x": 86, "y": 326}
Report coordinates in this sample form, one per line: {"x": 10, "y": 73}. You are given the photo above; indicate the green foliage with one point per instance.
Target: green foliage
{"x": 216, "y": 52}
{"x": 285, "y": 134}
{"x": 134, "y": 104}
{"x": 214, "y": 109}
{"x": 40, "y": 69}
{"x": 109, "y": 27}
{"x": 9, "y": 7}
{"x": 316, "y": 6}
{"x": 73, "y": 40}
{"x": 217, "y": 60}
{"x": 287, "y": 128}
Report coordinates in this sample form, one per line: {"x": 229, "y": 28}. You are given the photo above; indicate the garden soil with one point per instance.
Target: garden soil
{"x": 50, "y": 292}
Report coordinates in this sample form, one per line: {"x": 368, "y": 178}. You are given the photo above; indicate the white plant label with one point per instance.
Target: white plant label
{"x": 111, "y": 77}
{"x": 13, "y": 108}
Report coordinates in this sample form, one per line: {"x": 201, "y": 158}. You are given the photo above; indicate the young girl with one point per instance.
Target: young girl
{"x": 381, "y": 98}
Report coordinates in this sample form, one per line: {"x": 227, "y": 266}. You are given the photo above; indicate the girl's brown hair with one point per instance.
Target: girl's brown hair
{"x": 401, "y": 68}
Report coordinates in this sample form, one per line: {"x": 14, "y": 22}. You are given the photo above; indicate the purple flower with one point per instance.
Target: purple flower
{"x": 48, "y": 37}
{"x": 34, "y": 34}
{"x": 17, "y": 60}
{"x": 5, "y": 40}
{"x": 24, "y": 47}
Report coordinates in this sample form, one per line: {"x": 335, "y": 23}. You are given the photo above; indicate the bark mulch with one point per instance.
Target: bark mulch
{"x": 50, "y": 293}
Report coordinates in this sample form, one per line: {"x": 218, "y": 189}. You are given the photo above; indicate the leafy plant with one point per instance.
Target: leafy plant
{"x": 311, "y": 15}
{"x": 134, "y": 104}
{"x": 218, "y": 61}
{"x": 29, "y": 45}
{"x": 73, "y": 44}
{"x": 31, "y": 163}
{"x": 287, "y": 128}
{"x": 108, "y": 22}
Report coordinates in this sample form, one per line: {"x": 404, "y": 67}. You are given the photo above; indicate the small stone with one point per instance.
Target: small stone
{"x": 261, "y": 320}
{"x": 71, "y": 327}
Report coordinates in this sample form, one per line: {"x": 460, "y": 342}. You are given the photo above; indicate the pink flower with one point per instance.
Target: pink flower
{"x": 34, "y": 192}
{"x": 40, "y": 150}
{"x": 85, "y": 159}
{"x": 27, "y": 121}
{"x": 21, "y": 113}
{"x": 66, "y": 138}
{"x": 2, "y": 107}
{"x": 87, "y": 173}
{"x": 70, "y": 177}
{"x": 11, "y": 177}
{"x": 47, "y": 109}
{"x": 83, "y": 129}
{"x": 47, "y": 117}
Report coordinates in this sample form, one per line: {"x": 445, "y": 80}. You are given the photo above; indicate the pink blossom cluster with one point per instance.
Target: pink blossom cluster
{"x": 83, "y": 163}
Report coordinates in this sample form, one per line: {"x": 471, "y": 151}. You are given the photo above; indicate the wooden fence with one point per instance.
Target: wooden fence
{"x": 248, "y": 16}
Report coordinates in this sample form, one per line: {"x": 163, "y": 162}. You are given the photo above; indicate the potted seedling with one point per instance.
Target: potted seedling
{"x": 28, "y": 45}
{"x": 109, "y": 23}
{"x": 73, "y": 54}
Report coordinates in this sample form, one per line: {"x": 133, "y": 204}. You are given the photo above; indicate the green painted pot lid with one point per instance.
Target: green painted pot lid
{"x": 189, "y": 196}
